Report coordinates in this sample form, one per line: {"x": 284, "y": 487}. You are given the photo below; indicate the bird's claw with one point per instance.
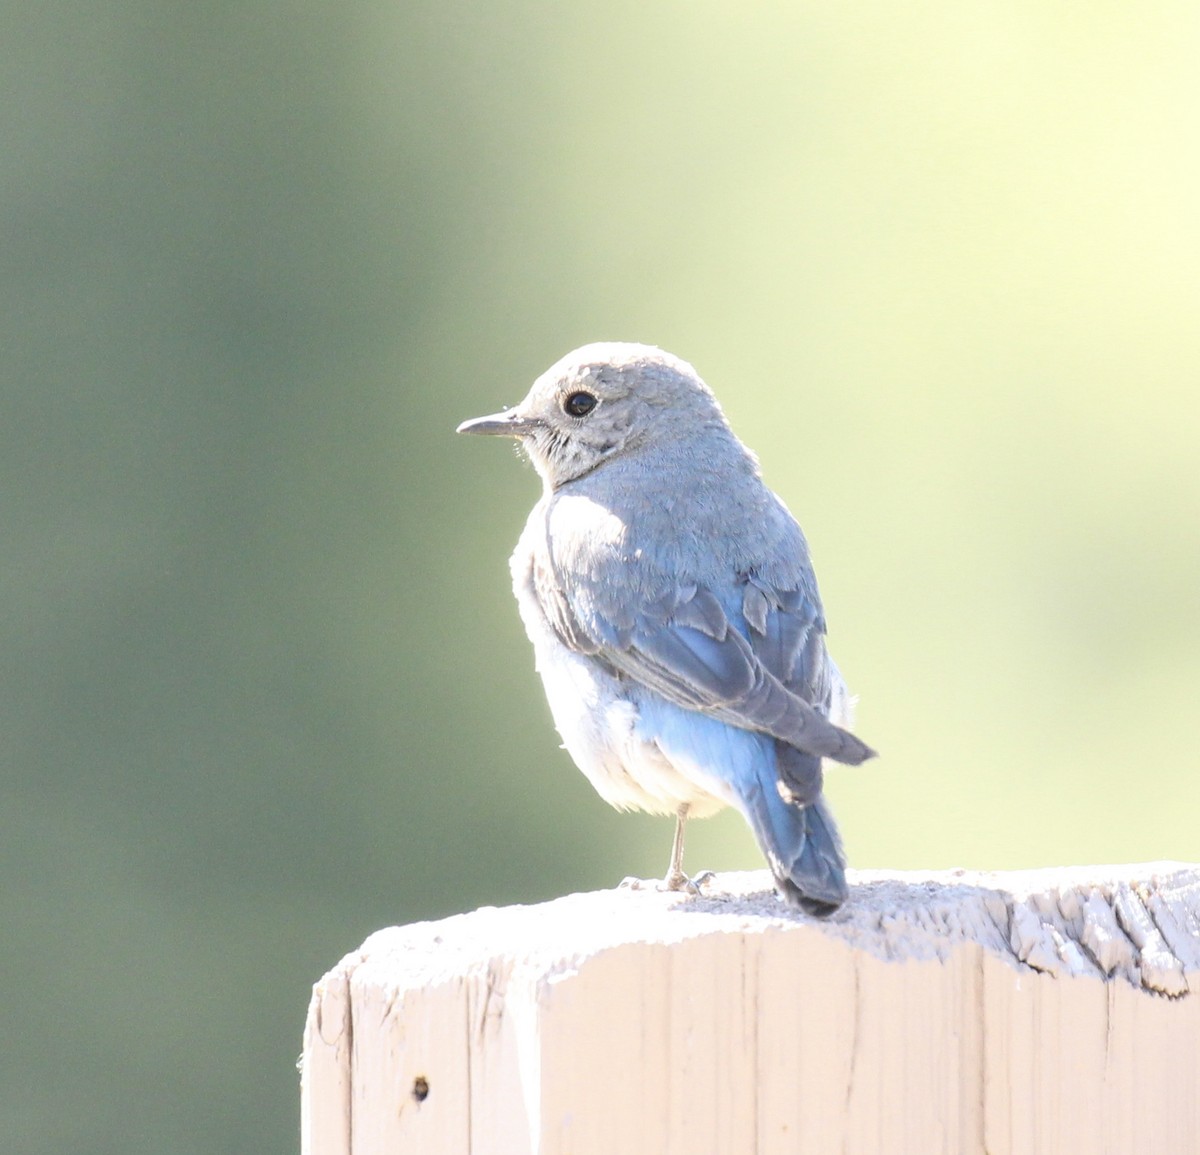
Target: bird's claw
{"x": 676, "y": 880}
{"x": 673, "y": 883}
{"x": 693, "y": 886}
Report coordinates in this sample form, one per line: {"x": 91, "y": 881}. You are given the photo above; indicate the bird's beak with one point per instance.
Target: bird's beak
{"x": 507, "y": 424}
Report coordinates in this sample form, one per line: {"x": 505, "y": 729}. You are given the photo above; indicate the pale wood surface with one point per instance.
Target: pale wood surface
{"x": 1038, "y": 1012}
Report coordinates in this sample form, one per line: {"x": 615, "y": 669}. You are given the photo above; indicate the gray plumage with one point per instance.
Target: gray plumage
{"x": 673, "y": 610}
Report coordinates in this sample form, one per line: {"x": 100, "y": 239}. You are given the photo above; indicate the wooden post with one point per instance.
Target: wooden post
{"x": 1039, "y": 1012}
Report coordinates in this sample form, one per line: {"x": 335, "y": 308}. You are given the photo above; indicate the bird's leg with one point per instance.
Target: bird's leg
{"x": 676, "y": 879}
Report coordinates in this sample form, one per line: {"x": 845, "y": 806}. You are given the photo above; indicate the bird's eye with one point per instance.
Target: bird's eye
{"x": 579, "y": 404}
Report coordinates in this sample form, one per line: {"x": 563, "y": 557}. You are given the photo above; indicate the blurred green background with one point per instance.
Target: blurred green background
{"x": 265, "y": 686}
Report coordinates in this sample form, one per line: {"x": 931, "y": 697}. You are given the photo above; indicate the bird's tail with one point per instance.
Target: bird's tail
{"x": 801, "y": 845}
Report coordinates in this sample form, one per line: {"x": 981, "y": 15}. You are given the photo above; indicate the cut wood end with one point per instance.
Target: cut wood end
{"x": 1139, "y": 924}
{"x": 1009, "y": 1012}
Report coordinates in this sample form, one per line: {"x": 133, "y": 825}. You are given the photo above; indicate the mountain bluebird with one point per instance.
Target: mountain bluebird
{"x": 674, "y": 613}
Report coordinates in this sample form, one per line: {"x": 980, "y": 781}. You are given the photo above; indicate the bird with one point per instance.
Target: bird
{"x": 674, "y": 614}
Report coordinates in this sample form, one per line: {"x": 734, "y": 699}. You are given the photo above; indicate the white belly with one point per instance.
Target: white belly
{"x": 599, "y": 726}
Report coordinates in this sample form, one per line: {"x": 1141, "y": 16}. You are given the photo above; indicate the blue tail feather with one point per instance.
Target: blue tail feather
{"x": 801, "y": 845}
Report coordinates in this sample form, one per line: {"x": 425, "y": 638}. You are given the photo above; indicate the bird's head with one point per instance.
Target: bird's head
{"x": 601, "y": 402}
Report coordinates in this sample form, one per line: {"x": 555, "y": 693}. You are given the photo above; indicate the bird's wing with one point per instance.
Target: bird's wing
{"x": 683, "y": 645}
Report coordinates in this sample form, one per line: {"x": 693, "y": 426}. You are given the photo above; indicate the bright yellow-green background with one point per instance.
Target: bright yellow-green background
{"x": 265, "y": 689}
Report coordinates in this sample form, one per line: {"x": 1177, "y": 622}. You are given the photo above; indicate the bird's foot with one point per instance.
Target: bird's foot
{"x": 693, "y": 886}
{"x": 675, "y": 882}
